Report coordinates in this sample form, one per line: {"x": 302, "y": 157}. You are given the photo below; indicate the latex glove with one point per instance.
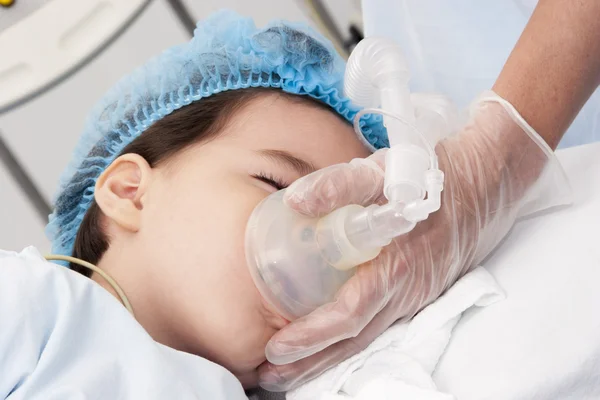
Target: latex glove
{"x": 495, "y": 169}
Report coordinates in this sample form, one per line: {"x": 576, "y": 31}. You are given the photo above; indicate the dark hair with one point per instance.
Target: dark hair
{"x": 197, "y": 122}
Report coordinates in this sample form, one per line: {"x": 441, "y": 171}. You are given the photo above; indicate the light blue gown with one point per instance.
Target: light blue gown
{"x": 62, "y": 336}
{"x": 458, "y": 47}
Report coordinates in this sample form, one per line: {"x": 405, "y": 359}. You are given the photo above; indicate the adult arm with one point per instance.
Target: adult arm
{"x": 555, "y": 66}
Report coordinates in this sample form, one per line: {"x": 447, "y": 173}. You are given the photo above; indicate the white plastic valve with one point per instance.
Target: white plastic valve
{"x": 405, "y": 168}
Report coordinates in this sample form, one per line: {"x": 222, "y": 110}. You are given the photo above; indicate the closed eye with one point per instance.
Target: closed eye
{"x": 271, "y": 180}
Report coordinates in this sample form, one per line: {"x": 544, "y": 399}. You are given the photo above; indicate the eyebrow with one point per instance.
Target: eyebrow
{"x": 283, "y": 157}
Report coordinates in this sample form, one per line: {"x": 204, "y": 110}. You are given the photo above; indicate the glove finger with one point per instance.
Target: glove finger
{"x": 356, "y": 303}
{"x": 357, "y": 182}
{"x": 280, "y": 378}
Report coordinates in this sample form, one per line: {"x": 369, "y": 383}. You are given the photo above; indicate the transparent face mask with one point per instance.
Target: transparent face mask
{"x": 285, "y": 256}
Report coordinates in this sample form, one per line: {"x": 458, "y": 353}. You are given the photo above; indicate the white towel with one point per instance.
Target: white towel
{"x": 400, "y": 362}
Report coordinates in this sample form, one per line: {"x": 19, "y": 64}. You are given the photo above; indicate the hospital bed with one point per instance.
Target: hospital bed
{"x": 543, "y": 341}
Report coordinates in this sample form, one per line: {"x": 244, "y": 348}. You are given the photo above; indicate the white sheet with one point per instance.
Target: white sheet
{"x": 399, "y": 363}
{"x": 543, "y": 341}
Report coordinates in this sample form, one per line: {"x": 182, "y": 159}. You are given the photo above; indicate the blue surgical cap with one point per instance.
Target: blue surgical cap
{"x": 227, "y": 52}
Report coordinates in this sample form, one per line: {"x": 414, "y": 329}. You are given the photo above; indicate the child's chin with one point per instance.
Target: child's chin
{"x": 249, "y": 379}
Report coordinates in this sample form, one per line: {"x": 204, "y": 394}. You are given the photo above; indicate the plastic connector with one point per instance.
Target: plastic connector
{"x": 419, "y": 210}
{"x": 405, "y": 168}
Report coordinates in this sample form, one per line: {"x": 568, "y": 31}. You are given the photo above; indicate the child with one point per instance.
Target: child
{"x": 174, "y": 160}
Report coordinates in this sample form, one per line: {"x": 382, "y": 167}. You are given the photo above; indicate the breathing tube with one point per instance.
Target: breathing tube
{"x": 299, "y": 263}
{"x": 115, "y": 286}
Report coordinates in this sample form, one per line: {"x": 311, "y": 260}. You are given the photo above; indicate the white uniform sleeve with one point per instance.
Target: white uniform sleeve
{"x": 64, "y": 337}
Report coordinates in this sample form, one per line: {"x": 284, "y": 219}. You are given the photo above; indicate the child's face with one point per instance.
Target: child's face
{"x": 193, "y": 287}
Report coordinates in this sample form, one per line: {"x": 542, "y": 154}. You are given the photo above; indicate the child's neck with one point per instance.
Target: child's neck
{"x": 149, "y": 310}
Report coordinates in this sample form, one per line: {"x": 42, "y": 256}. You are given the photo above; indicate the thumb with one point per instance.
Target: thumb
{"x": 278, "y": 378}
{"x": 357, "y": 182}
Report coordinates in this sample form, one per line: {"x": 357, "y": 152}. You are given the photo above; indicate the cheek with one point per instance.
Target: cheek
{"x": 199, "y": 234}
{"x": 205, "y": 228}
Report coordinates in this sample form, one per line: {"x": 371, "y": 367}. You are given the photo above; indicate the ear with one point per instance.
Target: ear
{"x": 120, "y": 190}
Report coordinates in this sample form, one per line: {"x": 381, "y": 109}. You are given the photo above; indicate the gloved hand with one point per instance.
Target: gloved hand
{"x": 496, "y": 168}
